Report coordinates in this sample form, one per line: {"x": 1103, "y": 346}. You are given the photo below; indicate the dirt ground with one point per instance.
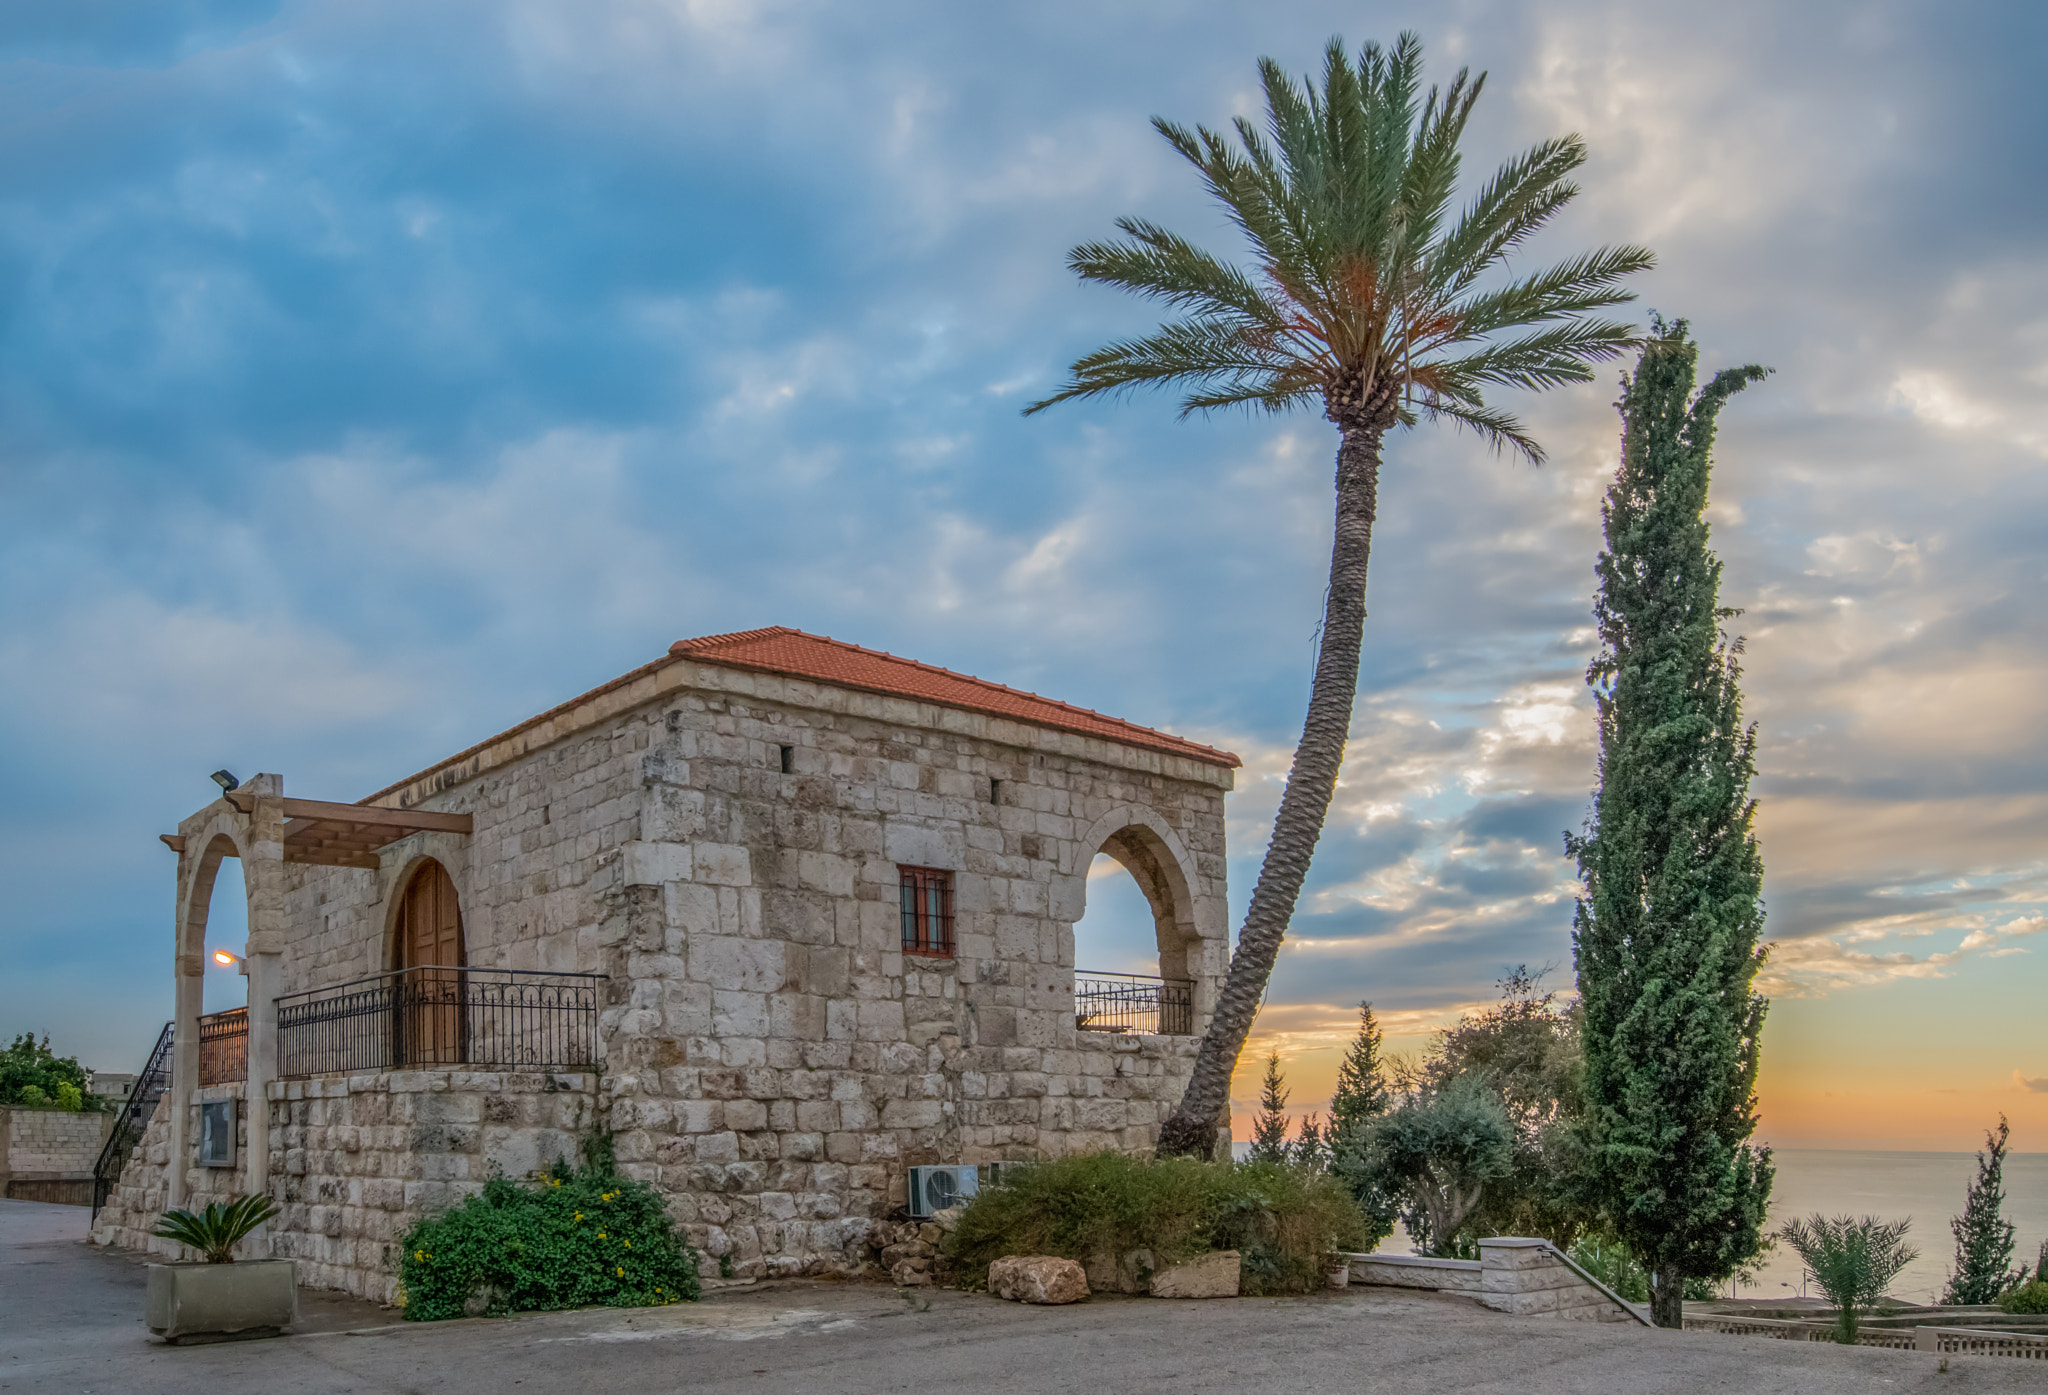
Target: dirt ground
{"x": 70, "y": 1322}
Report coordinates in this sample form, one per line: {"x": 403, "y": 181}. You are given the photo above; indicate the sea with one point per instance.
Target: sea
{"x": 1928, "y": 1188}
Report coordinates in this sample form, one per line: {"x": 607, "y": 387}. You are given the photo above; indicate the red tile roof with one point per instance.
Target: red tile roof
{"x": 794, "y": 654}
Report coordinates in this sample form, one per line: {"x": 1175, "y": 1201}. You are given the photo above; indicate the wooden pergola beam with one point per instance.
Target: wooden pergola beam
{"x": 342, "y": 835}
{"x": 369, "y": 816}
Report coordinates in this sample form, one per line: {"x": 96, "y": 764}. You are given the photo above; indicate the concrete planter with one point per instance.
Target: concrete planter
{"x": 219, "y": 1302}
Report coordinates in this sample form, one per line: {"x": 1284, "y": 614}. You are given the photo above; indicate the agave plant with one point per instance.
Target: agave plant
{"x": 1854, "y": 1261}
{"x": 216, "y": 1230}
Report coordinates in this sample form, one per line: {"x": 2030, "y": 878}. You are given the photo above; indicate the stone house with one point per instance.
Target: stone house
{"x": 783, "y": 915}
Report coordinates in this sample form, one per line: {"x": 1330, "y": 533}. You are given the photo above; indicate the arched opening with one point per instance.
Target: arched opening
{"x": 216, "y": 910}
{"x": 1132, "y": 939}
{"x": 1116, "y": 932}
{"x": 227, "y": 928}
{"x": 428, "y": 956}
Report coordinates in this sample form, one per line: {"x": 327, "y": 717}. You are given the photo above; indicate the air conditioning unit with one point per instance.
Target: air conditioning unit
{"x": 933, "y": 1189}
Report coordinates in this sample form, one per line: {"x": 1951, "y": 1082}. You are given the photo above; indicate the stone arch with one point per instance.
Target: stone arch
{"x": 1148, "y": 848}
{"x": 407, "y": 869}
{"x": 219, "y": 840}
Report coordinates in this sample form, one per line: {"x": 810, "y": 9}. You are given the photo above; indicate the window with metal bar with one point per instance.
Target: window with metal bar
{"x": 927, "y": 911}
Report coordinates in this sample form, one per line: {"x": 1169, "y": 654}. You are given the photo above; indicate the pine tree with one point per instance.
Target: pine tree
{"x": 1984, "y": 1238}
{"x": 1363, "y": 1095}
{"x": 1311, "y": 1147}
{"x": 1666, "y": 935}
{"x": 1269, "y": 1130}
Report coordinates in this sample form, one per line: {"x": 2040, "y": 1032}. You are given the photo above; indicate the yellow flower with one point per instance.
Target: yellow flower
{"x": 629, "y": 1244}
{"x": 579, "y": 1215}
{"x": 419, "y": 1254}
{"x": 600, "y": 1235}
{"x": 622, "y": 1271}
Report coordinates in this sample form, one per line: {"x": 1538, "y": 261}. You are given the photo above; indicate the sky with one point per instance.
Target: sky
{"x": 375, "y": 375}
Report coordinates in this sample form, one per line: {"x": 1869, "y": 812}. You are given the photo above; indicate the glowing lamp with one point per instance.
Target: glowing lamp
{"x": 225, "y": 959}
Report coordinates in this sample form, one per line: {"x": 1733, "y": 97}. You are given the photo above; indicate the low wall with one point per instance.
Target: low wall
{"x": 357, "y": 1159}
{"x": 1511, "y": 1275}
{"x": 1417, "y": 1271}
{"x": 48, "y": 1154}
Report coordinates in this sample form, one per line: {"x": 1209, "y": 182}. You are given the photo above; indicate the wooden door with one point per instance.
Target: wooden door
{"x": 430, "y": 951}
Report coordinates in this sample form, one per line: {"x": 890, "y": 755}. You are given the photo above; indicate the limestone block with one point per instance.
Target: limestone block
{"x": 1214, "y": 1275}
{"x": 739, "y": 1014}
{"x": 723, "y": 864}
{"x": 651, "y": 864}
{"x": 1037, "y": 1279}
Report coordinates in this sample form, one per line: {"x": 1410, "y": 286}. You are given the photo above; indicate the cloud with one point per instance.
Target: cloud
{"x": 370, "y": 381}
{"x": 2033, "y": 1085}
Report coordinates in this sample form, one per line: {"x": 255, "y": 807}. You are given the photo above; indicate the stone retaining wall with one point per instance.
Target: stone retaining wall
{"x": 356, "y": 1160}
{"x": 1512, "y": 1275}
{"x": 48, "y": 1154}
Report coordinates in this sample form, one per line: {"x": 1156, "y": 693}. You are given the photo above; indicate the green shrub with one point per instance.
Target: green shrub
{"x": 1285, "y": 1221}
{"x": 587, "y": 1238}
{"x": 2030, "y": 1297}
{"x": 1611, "y": 1262}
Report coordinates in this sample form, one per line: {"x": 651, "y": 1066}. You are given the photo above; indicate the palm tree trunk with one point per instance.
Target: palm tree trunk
{"x": 1192, "y": 1128}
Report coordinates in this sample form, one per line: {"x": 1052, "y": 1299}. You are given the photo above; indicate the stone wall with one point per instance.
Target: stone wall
{"x": 46, "y": 1154}
{"x": 356, "y": 1160}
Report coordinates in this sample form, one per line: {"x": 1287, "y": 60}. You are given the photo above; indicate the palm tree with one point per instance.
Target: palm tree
{"x": 1363, "y": 295}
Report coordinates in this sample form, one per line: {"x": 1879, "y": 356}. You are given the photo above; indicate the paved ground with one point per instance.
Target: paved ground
{"x": 70, "y": 1322}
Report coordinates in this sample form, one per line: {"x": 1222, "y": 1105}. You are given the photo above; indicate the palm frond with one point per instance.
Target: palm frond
{"x": 1547, "y": 358}
{"x": 1522, "y": 195}
{"x": 1498, "y": 429}
{"x": 1168, "y": 267}
{"x": 215, "y": 1230}
{"x": 1586, "y": 282}
{"x": 1212, "y": 355}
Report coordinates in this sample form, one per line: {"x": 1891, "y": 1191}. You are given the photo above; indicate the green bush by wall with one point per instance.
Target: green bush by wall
{"x": 1284, "y": 1221}
{"x": 587, "y": 1238}
{"x": 2029, "y": 1297}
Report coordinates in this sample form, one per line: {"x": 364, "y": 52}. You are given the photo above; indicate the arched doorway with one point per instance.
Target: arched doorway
{"x": 429, "y": 956}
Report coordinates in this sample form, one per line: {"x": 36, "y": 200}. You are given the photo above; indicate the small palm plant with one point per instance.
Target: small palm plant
{"x": 1854, "y": 1261}
{"x": 216, "y": 1230}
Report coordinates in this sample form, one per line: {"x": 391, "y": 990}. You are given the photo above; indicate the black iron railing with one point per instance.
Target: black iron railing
{"x": 224, "y": 1047}
{"x": 506, "y": 1019}
{"x": 1135, "y": 1003}
{"x": 133, "y": 1120}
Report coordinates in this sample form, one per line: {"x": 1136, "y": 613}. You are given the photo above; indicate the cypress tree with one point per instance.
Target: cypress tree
{"x": 1984, "y": 1237}
{"x": 1269, "y": 1129}
{"x": 1666, "y": 934}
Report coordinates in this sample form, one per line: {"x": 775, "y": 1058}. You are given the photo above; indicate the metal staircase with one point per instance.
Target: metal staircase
{"x": 134, "y": 1120}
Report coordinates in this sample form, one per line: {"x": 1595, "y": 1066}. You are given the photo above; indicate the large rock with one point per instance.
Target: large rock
{"x": 1214, "y": 1275}
{"x": 1037, "y": 1279}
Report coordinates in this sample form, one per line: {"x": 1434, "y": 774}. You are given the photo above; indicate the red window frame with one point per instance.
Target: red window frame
{"x": 927, "y": 906}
